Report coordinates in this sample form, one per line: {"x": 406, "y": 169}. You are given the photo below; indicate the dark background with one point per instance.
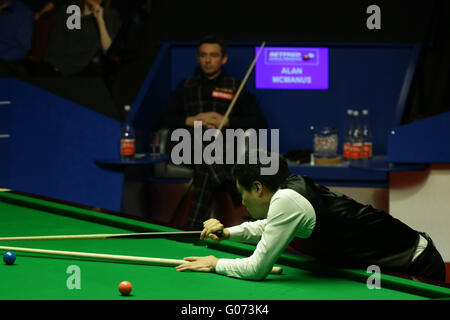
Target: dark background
{"x": 402, "y": 21}
{"x": 426, "y": 22}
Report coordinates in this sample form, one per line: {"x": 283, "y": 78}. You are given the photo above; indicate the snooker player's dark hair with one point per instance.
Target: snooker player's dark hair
{"x": 215, "y": 40}
{"x": 247, "y": 173}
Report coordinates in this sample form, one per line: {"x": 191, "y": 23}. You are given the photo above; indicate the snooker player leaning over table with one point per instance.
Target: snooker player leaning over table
{"x": 337, "y": 229}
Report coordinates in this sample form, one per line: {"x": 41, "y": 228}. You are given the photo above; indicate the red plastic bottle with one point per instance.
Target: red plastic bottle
{"x": 367, "y": 135}
{"x": 127, "y": 140}
{"x": 356, "y": 152}
{"x": 347, "y": 139}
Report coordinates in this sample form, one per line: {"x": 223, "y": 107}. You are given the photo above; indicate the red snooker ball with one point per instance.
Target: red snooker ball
{"x": 125, "y": 288}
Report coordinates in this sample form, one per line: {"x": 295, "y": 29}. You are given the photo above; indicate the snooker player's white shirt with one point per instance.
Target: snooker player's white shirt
{"x": 290, "y": 214}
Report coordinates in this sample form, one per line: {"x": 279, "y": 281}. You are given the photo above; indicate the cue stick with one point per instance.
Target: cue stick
{"x": 141, "y": 235}
{"x": 238, "y": 92}
{"x": 110, "y": 257}
{"x": 222, "y": 123}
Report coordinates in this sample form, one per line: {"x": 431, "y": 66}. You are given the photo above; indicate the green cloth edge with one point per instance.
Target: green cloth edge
{"x": 387, "y": 281}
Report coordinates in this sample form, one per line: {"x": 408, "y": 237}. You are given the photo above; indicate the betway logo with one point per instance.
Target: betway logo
{"x": 285, "y": 56}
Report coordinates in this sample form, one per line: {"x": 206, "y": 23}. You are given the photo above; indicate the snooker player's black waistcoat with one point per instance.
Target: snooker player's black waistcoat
{"x": 351, "y": 234}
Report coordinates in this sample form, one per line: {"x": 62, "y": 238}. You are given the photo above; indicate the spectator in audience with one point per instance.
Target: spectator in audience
{"x": 16, "y": 32}
{"x": 70, "y": 52}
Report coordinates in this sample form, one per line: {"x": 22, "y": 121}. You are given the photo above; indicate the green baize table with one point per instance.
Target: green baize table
{"x": 41, "y": 276}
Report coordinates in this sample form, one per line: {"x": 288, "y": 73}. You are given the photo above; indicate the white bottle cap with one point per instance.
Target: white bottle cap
{"x": 365, "y": 112}
{"x": 349, "y": 112}
{"x": 355, "y": 112}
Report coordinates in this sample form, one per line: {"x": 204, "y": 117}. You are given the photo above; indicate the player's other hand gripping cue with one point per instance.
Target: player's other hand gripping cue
{"x": 210, "y": 227}
{"x": 205, "y": 264}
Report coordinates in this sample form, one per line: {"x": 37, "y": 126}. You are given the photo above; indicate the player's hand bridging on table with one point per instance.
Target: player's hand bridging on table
{"x": 211, "y": 226}
{"x": 202, "y": 264}
{"x": 206, "y": 264}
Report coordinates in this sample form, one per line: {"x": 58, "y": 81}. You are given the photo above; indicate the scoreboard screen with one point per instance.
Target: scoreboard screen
{"x": 292, "y": 68}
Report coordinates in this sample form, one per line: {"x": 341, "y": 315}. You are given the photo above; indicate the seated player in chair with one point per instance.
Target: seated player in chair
{"x": 331, "y": 226}
{"x": 206, "y": 98}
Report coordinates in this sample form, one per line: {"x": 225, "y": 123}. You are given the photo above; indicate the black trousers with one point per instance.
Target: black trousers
{"x": 429, "y": 264}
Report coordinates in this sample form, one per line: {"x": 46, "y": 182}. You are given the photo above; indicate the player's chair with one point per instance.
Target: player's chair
{"x": 168, "y": 170}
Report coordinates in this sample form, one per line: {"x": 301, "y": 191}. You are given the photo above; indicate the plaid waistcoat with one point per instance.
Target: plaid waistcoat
{"x": 203, "y": 95}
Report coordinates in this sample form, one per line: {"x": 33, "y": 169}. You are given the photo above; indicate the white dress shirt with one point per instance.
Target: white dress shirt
{"x": 290, "y": 215}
